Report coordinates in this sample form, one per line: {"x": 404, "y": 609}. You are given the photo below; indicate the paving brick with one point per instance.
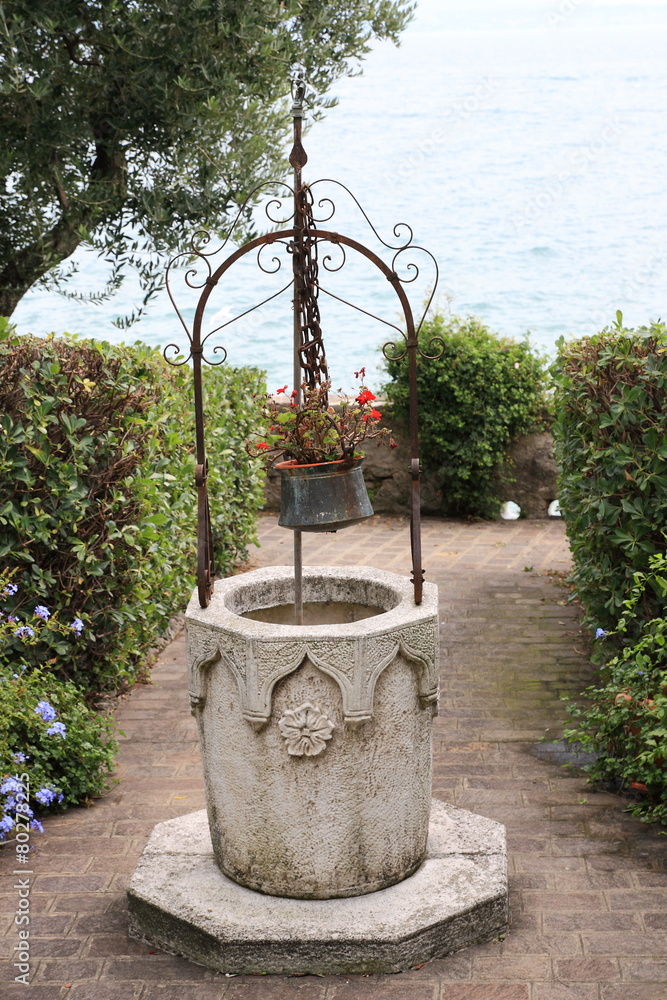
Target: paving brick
{"x": 595, "y": 921}
{"x": 542, "y": 944}
{"x": 625, "y": 944}
{"x": 53, "y": 884}
{"x": 565, "y": 991}
{"x": 165, "y": 991}
{"x": 516, "y": 967}
{"x": 595, "y": 880}
{"x": 54, "y": 947}
{"x": 650, "y": 879}
{"x": 485, "y": 991}
{"x": 100, "y": 923}
{"x": 645, "y": 901}
{"x": 68, "y": 971}
{"x": 103, "y": 991}
{"x": 114, "y": 944}
{"x": 528, "y": 862}
{"x": 562, "y": 900}
{"x": 165, "y": 968}
{"x": 590, "y": 969}
{"x": 633, "y": 991}
{"x": 283, "y": 988}
{"x": 17, "y": 991}
{"x": 650, "y": 970}
{"x": 453, "y": 968}
{"x": 70, "y": 864}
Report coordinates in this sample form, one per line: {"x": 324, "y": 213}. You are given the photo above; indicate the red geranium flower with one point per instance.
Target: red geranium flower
{"x": 262, "y": 444}
{"x": 365, "y": 397}
{"x": 278, "y": 391}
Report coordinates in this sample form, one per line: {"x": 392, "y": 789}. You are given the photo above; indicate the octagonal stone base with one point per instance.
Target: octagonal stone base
{"x": 180, "y": 901}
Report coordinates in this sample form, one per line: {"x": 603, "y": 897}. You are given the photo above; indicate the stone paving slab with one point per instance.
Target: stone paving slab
{"x": 588, "y": 888}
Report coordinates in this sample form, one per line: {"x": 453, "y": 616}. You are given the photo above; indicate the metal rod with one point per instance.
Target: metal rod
{"x": 297, "y": 159}
{"x": 298, "y": 579}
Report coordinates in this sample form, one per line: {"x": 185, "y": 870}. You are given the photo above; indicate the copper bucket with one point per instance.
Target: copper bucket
{"x": 325, "y": 496}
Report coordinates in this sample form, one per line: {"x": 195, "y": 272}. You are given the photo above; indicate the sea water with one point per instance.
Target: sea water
{"x": 530, "y": 161}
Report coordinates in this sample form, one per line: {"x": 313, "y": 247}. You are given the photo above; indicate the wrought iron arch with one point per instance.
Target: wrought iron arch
{"x": 302, "y": 241}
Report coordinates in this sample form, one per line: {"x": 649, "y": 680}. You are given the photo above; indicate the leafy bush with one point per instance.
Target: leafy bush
{"x": 481, "y": 394}
{"x": 96, "y": 454}
{"x": 611, "y": 448}
{"x": 625, "y": 722}
{"x": 50, "y": 736}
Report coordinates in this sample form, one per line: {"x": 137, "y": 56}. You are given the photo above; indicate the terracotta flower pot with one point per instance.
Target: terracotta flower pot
{"x": 324, "y": 496}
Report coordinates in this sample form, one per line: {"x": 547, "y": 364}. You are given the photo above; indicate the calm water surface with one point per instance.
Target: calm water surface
{"x": 532, "y": 163}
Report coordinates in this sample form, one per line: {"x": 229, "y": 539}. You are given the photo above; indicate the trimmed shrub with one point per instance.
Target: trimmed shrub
{"x": 98, "y": 504}
{"x": 481, "y": 394}
{"x": 611, "y": 449}
{"x": 625, "y": 722}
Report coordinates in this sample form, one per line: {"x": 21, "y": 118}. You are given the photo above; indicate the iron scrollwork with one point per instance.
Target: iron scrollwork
{"x": 302, "y": 241}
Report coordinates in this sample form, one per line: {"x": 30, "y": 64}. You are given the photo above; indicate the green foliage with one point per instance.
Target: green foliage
{"x": 625, "y": 722}
{"x": 98, "y": 514}
{"x": 482, "y": 393}
{"x": 126, "y": 125}
{"x": 73, "y": 763}
{"x": 611, "y": 448}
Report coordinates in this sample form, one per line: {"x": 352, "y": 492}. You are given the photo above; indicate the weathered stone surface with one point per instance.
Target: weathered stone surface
{"x": 341, "y": 807}
{"x": 532, "y": 466}
{"x": 181, "y": 902}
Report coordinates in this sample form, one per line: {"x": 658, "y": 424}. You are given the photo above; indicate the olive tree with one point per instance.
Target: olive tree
{"x": 126, "y": 123}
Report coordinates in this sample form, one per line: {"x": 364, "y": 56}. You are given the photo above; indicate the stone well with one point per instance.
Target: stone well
{"x": 321, "y": 850}
{"x": 316, "y": 738}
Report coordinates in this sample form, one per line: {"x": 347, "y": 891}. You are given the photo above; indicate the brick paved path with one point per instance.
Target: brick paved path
{"x": 588, "y": 884}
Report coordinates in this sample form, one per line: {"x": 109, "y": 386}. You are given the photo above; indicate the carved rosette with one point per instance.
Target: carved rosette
{"x": 306, "y": 730}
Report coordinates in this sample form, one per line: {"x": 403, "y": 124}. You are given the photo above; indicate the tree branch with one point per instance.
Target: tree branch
{"x": 71, "y": 45}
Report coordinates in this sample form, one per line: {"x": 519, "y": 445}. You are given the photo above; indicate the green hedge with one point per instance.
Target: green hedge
{"x": 611, "y": 448}
{"x": 625, "y": 721}
{"x": 98, "y": 508}
{"x": 481, "y": 394}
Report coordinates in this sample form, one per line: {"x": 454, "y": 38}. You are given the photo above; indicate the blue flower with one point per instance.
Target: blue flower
{"x": 42, "y": 612}
{"x": 10, "y": 785}
{"x": 6, "y": 826}
{"x": 77, "y": 625}
{"x": 58, "y": 728}
{"x": 47, "y": 712}
{"x": 20, "y": 757}
{"x": 599, "y": 632}
{"x": 11, "y": 589}
{"x": 24, "y": 632}
{"x": 46, "y": 796}
{"x": 36, "y": 825}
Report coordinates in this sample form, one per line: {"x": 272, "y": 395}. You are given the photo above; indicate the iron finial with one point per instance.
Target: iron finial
{"x": 298, "y": 157}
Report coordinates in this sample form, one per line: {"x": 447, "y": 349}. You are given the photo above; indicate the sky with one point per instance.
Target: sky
{"x": 442, "y": 15}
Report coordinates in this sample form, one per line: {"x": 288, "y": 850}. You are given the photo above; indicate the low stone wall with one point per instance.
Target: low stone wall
{"x": 530, "y": 464}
